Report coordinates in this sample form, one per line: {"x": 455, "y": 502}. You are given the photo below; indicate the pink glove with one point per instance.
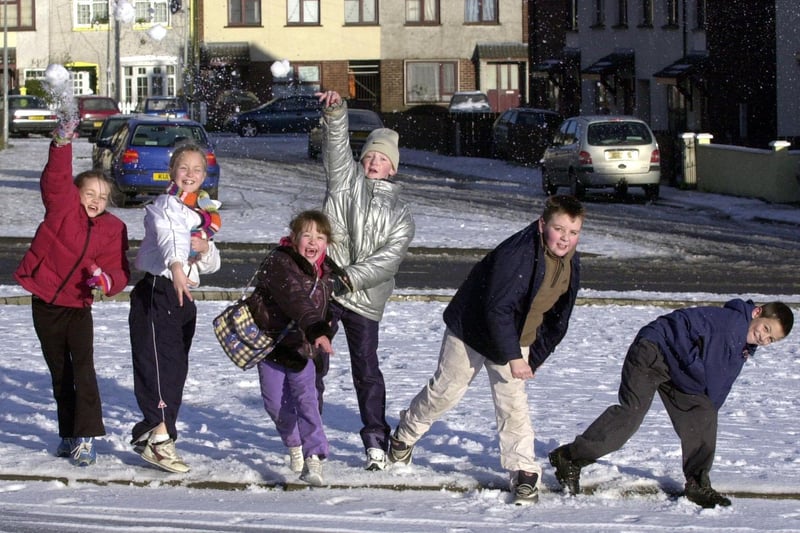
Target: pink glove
{"x": 65, "y": 131}
{"x": 99, "y": 281}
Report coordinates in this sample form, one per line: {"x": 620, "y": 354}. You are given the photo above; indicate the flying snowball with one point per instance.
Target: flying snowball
{"x": 125, "y": 12}
{"x": 280, "y": 69}
{"x": 56, "y": 77}
{"x": 157, "y": 32}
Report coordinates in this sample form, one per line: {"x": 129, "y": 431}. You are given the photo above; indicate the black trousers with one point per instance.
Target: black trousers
{"x": 693, "y": 417}
{"x": 161, "y": 336}
{"x": 67, "y": 338}
{"x": 362, "y": 342}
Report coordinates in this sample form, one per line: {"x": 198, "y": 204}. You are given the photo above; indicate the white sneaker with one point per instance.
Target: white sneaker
{"x": 312, "y": 471}
{"x": 164, "y": 455}
{"x": 296, "y": 458}
{"x": 376, "y": 459}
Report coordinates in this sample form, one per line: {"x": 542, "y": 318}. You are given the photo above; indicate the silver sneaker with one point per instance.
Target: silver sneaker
{"x": 312, "y": 471}
{"x": 296, "y": 458}
{"x": 376, "y": 459}
{"x": 525, "y": 488}
{"x": 165, "y": 456}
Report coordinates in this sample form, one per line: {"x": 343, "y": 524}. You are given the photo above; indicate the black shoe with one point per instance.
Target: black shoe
{"x": 524, "y": 488}
{"x": 568, "y": 473}
{"x": 704, "y": 495}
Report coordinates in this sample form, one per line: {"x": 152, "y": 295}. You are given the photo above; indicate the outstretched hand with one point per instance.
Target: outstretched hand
{"x": 329, "y": 98}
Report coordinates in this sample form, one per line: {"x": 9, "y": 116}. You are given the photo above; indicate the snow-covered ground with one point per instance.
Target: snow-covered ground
{"x": 240, "y": 480}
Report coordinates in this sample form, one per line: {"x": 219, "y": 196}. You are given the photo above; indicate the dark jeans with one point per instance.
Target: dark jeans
{"x": 161, "y": 336}
{"x": 362, "y": 341}
{"x": 67, "y": 338}
{"x": 694, "y": 417}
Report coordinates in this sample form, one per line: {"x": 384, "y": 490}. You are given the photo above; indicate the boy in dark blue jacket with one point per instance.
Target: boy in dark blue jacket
{"x": 508, "y": 316}
{"x": 691, "y": 357}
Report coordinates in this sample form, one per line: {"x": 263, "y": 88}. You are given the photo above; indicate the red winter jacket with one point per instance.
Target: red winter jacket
{"x": 58, "y": 263}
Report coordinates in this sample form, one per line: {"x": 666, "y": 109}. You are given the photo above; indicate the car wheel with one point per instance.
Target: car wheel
{"x": 547, "y": 186}
{"x": 651, "y": 192}
{"x": 248, "y": 129}
{"x": 576, "y": 188}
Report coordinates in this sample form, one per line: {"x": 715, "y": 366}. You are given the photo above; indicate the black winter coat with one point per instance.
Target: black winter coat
{"x": 288, "y": 290}
{"x": 489, "y": 309}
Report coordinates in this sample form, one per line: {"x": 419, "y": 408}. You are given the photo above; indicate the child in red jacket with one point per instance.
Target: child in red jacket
{"x": 78, "y": 250}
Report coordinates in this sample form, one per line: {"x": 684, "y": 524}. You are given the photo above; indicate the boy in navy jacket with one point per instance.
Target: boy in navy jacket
{"x": 691, "y": 357}
{"x": 508, "y": 316}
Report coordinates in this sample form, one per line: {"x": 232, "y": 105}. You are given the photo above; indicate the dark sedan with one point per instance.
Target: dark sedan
{"x": 522, "y": 133}
{"x": 360, "y": 123}
{"x": 287, "y": 114}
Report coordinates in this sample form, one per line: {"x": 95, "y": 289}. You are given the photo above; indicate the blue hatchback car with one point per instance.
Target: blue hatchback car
{"x": 141, "y": 150}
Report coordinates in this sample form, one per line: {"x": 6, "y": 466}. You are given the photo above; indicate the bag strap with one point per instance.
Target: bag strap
{"x": 253, "y": 277}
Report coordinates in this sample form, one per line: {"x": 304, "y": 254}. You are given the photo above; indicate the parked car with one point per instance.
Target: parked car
{"x": 164, "y": 106}
{"x": 29, "y": 114}
{"x": 602, "y": 151}
{"x": 92, "y": 111}
{"x": 523, "y": 133}
{"x": 284, "y": 114}
{"x": 229, "y": 103}
{"x": 141, "y": 150}
{"x": 469, "y": 102}
{"x": 101, "y": 150}
{"x": 360, "y": 123}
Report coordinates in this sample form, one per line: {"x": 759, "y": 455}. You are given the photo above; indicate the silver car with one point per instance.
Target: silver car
{"x": 29, "y": 114}
{"x": 602, "y": 151}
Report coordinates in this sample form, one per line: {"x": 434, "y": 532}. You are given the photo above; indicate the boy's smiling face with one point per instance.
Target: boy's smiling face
{"x": 561, "y": 233}
{"x": 189, "y": 171}
{"x": 763, "y": 331}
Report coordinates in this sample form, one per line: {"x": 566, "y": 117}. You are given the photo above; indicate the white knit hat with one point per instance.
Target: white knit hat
{"x": 383, "y": 140}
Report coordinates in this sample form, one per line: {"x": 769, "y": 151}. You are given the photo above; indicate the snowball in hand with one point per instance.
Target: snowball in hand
{"x": 280, "y": 69}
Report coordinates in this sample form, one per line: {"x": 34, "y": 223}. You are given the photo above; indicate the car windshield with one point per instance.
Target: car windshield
{"x": 618, "y": 133}
{"x": 364, "y": 120}
{"x": 163, "y": 105}
{"x": 166, "y": 135}
{"x": 99, "y": 104}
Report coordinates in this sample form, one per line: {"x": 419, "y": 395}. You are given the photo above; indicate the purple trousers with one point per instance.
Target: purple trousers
{"x": 290, "y": 399}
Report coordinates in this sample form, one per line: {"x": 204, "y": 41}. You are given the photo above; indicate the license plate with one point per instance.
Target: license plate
{"x": 621, "y": 155}
{"x": 36, "y": 118}
{"x": 98, "y": 124}
{"x": 160, "y": 176}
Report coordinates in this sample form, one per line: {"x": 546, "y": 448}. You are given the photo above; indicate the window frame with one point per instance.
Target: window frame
{"x": 622, "y": 14}
{"x": 245, "y": 7}
{"x": 442, "y": 90}
{"x": 423, "y": 8}
{"x": 647, "y": 14}
{"x": 301, "y": 10}
{"x": 478, "y": 7}
{"x": 571, "y": 13}
{"x": 98, "y": 14}
{"x": 671, "y": 13}
{"x": 599, "y": 14}
{"x": 361, "y": 20}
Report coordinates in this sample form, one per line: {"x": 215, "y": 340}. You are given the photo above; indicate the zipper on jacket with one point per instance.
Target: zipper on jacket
{"x": 77, "y": 262}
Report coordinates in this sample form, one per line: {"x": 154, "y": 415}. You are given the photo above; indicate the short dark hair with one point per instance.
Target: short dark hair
{"x": 304, "y": 219}
{"x": 563, "y": 203}
{"x": 781, "y": 312}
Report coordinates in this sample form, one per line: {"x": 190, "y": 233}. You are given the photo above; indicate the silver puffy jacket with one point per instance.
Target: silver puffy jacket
{"x": 372, "y": 226}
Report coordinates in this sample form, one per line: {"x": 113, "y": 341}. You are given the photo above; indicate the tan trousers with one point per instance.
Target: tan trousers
{"x": 458, "y": 366}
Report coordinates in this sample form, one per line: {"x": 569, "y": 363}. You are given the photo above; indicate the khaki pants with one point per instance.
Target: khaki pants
{"x": 458, "y": 366}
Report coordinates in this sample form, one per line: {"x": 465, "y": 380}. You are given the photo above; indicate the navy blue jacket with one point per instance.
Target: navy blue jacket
{"x": 489, "y": 309}
{"x": 705, "y": 348}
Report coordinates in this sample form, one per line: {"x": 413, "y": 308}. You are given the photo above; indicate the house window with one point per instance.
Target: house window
{"x": 572, "y": 15}
{"x": 700, "y": 15}
{"x": 599, "y": 13}
{"x": 360, "y": 11}
{"x": 647, "y": 13}
{"x": 142, "y": 81}
{"x": 90, "y": 12}
{"x": 422, "y": 11}
{"x": 480, "y": 11}
{"x": 672, "y": 12}
{"x": 152, "y": 12}
{"x": 20, "y": 14}
{"x": 244, "y": 12}
{"x": 622, "y": 13}
{"x": 302, "y": 12}
{"x": 430, "y": 81}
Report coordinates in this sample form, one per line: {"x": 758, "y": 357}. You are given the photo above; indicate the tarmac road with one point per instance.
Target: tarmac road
{"x": 443, "y": 268}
